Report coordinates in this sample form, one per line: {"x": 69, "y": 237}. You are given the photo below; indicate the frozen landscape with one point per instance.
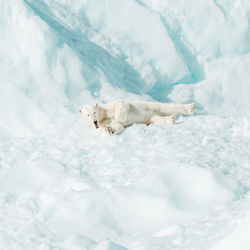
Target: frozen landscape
{"x": 65, "y": 186}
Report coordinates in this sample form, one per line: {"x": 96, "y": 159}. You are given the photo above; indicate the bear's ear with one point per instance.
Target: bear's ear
{"x": 96, "y": 105}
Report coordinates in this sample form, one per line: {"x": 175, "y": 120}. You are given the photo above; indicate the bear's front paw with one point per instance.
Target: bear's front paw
{"x": 109, "y": 130}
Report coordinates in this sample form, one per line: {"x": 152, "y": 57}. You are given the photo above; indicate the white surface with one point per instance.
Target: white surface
{"x": 238, "y": 239}
{"x": 65, "y": 186}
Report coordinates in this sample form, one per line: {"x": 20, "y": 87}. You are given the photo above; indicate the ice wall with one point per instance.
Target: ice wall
{"x": 35, "y": 73}
{"x": 171, "y": 44}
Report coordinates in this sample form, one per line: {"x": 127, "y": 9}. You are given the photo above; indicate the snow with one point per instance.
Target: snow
{"x": 66, "y": 186}
{"x": 239, "y": 238}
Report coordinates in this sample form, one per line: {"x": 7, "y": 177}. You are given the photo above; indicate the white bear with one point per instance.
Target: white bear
{"x": 115, "y": 116}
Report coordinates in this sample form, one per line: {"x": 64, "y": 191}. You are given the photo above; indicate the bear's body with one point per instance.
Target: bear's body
{"x": 114, "y": 116}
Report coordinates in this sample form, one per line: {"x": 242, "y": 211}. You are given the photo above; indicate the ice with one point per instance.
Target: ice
{"x": 221, "y": 93}
{"x": 239, "y": 238}
{"x": 66, "y": 186}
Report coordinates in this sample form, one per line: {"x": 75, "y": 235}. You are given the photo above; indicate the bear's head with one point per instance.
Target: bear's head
{"x": 90, "y": 114}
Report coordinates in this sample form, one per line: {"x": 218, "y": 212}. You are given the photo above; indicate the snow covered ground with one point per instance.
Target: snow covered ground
{"x": 64, "y": 186}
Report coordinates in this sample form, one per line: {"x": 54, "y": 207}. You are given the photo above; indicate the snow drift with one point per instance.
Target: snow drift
{"x": 63, "y": 185}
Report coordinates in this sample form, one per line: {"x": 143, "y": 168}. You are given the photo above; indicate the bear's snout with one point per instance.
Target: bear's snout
{"x": 96, "y": 125}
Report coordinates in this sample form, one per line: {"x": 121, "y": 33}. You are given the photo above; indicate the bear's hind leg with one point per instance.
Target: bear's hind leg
{"x": 172, "y": 108}
{"x": 190, "y": 108}
{"x": 166, "y": 120}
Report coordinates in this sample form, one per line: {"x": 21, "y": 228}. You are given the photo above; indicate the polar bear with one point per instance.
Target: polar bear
{"x": 115, "y": 116}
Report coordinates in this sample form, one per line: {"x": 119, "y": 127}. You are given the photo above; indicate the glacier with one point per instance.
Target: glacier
{"x": 65, "y": 186}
